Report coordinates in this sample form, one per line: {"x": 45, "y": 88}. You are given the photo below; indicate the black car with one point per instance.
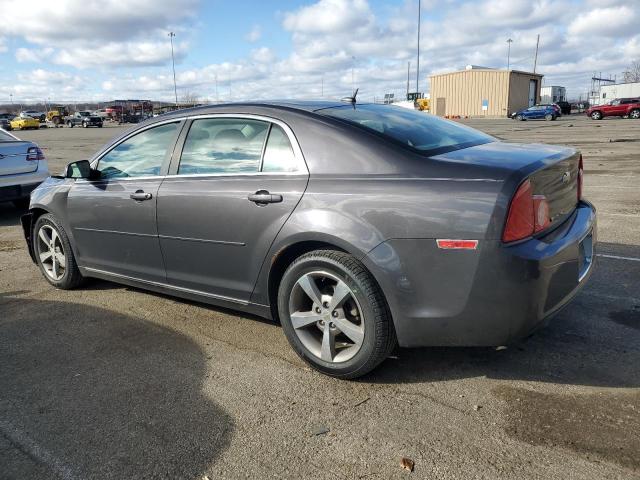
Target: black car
{"x": 5, "y": 121}
{"x": 85, "y": 119}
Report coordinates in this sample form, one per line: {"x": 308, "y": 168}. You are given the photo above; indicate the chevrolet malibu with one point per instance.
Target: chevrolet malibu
{"x": 357, "y": 226}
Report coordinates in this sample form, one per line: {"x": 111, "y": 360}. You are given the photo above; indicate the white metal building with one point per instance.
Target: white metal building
{"x": 617, "y": 90}
{"x": 553, "y": 94}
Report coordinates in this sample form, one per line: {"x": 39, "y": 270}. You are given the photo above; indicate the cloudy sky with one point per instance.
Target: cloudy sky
{"x": 69, "y": 50}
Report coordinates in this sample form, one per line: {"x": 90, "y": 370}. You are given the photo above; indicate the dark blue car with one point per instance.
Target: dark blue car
{"x": 537, "y": 112}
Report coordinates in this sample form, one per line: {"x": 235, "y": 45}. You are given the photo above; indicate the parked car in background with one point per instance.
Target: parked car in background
{"x": 356, "y": 225}
{"x": 537, "y": 112}
{"x": 40, "y": 116}
{"x": 103, "y": 114}
{"x": 5, "y": 121}
{"x": 84, "y": 119}
{"x": 618, "y": 107}
{"x": 22, "y": 168}
{"x": 565, "y": 108}
{"x": 25, "y": 123}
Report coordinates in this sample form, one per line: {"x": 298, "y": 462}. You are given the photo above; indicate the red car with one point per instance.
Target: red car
{"x": 619, "y": 107}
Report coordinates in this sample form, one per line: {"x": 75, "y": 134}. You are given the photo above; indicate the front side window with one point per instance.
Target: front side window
{"x": 223, "y": 145}
{"x": 140, "y": 155}
{"x": 278, "y": 153}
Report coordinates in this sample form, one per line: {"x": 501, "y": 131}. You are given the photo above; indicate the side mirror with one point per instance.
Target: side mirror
{"x": 80, "y": 169}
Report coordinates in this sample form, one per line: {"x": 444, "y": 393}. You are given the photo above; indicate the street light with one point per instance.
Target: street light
{"x": 509, "y": 42}
{"x": 173, "y": 65}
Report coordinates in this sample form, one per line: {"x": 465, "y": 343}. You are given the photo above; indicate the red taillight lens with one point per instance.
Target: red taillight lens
{"x": 520, "y": 218}
{"x": 580, "y": 177}
{"x": 528, "y": 214}
{"x": 34, "y": 154}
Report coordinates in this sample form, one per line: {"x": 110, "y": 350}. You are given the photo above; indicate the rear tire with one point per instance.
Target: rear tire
{"x": 596, "y": 115}
{"x": 54, "y": 255}
{"x": 70, "y": 124}
{"x": 347, "y": 330}
{"x": 635, "y": 114}
{"x": 548, "y": 117}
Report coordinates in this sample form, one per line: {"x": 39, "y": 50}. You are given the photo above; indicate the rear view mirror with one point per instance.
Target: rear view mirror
{"x": 79, "y": 169}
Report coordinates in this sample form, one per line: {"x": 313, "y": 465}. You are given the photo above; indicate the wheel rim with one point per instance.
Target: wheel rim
{"x": 635, "y": 114}
{"x": 51, "y": 252}
{"x": 326, "y": 317}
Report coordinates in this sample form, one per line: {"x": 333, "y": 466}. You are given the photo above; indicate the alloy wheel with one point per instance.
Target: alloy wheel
{"x": 326, "y": 316}
{"x": 51, "y": 252}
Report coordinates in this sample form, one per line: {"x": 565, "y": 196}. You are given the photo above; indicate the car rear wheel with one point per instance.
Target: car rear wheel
{"x": 635, "y": 114}
{"x": 84, "y": 124}
{"x": 54, "y": 255}
{"x": 70, "y": 124}
{"x": 548, "y": 117}
{"x": 334, "y": 314}
{"x": 596, "y": 115}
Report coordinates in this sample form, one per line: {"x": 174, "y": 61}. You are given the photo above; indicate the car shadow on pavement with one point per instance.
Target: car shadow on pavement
{"x": 594, "y": 341}
{"x": 10, "y": 215}
{"x": 89, "y": 393}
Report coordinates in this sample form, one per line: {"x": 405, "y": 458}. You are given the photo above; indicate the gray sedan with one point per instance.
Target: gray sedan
{"x": 358, "y": 226}
{"x": 22, "y": 168}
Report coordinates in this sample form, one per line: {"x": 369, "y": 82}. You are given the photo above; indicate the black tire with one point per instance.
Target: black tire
{"x": 99, "y": 125}
{"x": 72, "y": 277}
{"x": 634, "y": 114}
{"x": 519, "y": 118}
{"x": 70, "y": 124}
{"x": 21, "y": 203}
{"x": 84, "y": 124}
{"x": 597, "y": 115}
{"x": 548, "y": 117}
{"x": 379, "y": 333}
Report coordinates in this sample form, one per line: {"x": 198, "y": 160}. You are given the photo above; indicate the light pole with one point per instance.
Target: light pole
{"x": 509, "y": 42}
{"x": 173, "y": 65}
{"x": 418, "y": 59}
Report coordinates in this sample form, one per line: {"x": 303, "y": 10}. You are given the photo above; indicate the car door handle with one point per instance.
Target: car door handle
{"x": 139, "y": 196}
{"x": 262, "y": 197}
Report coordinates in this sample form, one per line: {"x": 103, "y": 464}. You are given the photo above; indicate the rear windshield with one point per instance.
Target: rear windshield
{"x": 412, "y": 128}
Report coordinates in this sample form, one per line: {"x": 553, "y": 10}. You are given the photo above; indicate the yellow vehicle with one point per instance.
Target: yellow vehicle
{"x": 57, "y": 114}
{"x": 423, "y": 104}
{"x": 24, "y": 123}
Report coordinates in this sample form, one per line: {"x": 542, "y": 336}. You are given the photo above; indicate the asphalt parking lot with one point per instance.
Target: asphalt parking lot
{"x": 113, "y": 382}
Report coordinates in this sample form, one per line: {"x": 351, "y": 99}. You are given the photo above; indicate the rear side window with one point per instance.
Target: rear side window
{"x": 417, "y": 130}
{"x": 223, "y": 145}
{"x": 278, "y": 153}
{"x": 140, "y": 155}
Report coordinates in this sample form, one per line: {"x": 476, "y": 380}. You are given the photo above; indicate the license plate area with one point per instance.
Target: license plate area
{"x": 585, "y": 256}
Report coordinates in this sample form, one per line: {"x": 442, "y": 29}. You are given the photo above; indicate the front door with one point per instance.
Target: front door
{"x": 113, "y": 218}
{"x": 233, "y": 186}
{"x": 533, "y": 92}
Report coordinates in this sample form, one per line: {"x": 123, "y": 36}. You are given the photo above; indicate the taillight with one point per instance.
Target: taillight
{"x": 34, "y": 154}
{"x": 528, "y": 214}
{"x": 580, "y": 177}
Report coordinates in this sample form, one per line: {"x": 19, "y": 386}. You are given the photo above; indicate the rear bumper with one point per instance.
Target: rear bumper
{"x": 15, "y": 187}
{"x": 485, "y": 297}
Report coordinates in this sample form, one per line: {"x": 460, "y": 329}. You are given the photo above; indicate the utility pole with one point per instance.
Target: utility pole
{"x": 535, "y": 58}
{"x": 509, "y": 42}
{"x": 173, "y": 65}
{"x": 418, "y": 59}
{"x": 408, "y": 70}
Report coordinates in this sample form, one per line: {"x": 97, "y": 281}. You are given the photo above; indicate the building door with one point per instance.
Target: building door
{"x": 533, "y": 90}
{"x": 440, "y": 106}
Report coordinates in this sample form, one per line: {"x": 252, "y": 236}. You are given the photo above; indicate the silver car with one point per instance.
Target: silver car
{"x": 22, "y": 168}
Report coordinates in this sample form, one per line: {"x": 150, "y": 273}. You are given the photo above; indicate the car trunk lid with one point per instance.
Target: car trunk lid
{"x": 13, "y": 158}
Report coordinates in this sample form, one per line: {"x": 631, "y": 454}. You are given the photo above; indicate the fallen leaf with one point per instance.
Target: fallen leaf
{"x": 407, "y": 463}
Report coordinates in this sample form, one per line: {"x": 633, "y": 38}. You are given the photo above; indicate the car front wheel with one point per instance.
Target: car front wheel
{"x": 596, "y": 115}
{"x": 519, "y": 117}
{"x": 53, "y": 253}
{"x": 334, "y": 314}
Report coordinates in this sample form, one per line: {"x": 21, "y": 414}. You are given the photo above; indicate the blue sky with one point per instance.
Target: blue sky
{"x": 78, "y": 50}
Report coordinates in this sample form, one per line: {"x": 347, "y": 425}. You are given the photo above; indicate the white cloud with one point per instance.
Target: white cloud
{"x": 254, "y": 34}
{"x": 3, "y": 47}
{"x": 613, "y": 21}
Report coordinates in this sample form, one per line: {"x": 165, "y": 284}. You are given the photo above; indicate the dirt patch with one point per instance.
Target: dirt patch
{"x": 628, "y": 318}
{"x": 602, "y": 426}
{"x": 10, "y": 245}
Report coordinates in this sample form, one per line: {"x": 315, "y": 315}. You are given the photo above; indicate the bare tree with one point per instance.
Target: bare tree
{"x": 190, "y": 98}
{"x": 632, "y": 74}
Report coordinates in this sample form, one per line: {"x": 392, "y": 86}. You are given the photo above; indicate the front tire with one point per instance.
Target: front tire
{"x": 54, "y": 255}
{"x": 334, "y": 314}
{"x": 596, "y": 115}
{"x": 519, "y": 117}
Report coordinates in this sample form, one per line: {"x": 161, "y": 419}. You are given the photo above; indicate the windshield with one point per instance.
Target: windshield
{"x": 411, "y": 128}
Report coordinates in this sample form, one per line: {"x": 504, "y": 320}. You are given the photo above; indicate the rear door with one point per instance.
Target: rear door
{"x": 14, "y": 158}
{"x": 113, "y": 218}
{"x": 233, "y": 184}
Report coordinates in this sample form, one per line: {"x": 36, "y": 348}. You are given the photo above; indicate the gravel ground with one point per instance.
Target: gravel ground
{"x": 113, "y": 382}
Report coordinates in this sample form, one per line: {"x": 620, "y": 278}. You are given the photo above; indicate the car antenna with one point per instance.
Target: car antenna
{"x": 351, "y": 99}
